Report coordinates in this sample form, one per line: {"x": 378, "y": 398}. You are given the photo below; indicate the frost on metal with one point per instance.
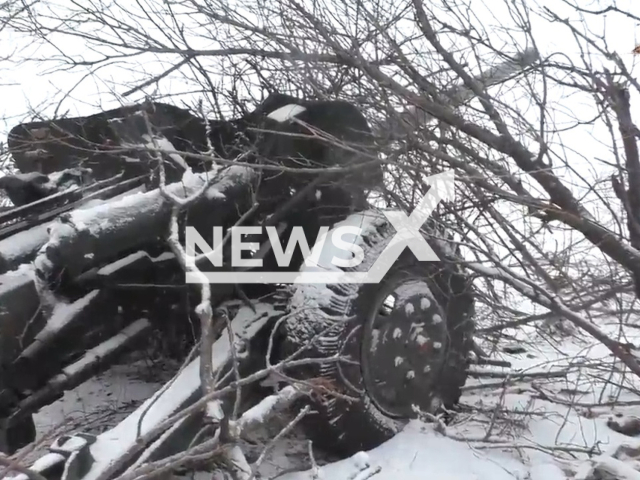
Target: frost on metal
{"x": 62, "y": 314}
{"x": 112, "y": 215}
{"x": 315, "y": 301}
{"x": 231, "y": 176}
{"x": 122, "y": 220}
{"x": 112, "y": 344}
{"x": 259, "y": 413}
{"x": 19, "y": 247}
{"x": 167, "y": 147}
{"x": 425, "y": 303}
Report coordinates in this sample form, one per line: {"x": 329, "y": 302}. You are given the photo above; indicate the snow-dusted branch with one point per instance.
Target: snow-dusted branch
{"x": 554, "y": 302}
{"x": 204, "y": 309}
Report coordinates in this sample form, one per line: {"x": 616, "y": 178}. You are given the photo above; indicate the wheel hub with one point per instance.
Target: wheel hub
{"x": 403, "y": 348}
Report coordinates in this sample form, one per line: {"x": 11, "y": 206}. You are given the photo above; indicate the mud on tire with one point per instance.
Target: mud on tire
{"x": 398, "y": 354}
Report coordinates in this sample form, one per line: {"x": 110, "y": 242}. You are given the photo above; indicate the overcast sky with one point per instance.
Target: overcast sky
{"x": 30, "y": 85}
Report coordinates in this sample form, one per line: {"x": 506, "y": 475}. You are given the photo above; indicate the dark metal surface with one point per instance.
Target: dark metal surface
{"x": 403, "y": 347}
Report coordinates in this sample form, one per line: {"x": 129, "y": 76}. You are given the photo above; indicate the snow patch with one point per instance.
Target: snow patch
{"x": 416, "y": 329}
{"x": 21, "y": 270}
{"x": 164, "y": 256}
{"x": 546, "y": 471}
{"x": 258, "y": 413}
{"x": 214, "y": 410}
{"x": 285, "y": 113}
{"x": 106, "y": 347}
{"x": 419, "y": 453}
{"x": 112, "y": 218}
{"x": 164, "y": 144}
{"x": 18, "y": 246}
{"x": 122, "y": 263}
{"x": 62, "y": 314}
{"x": 361, "y": 460}
{"x": 213, "y": 192}
{"x": 375, "y": 339}
{"x": 425, "y": 303}
{"x": 413, "y": 289}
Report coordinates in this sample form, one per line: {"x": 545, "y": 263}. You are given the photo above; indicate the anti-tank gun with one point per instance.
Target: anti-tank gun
{"x": 83, "y": 259}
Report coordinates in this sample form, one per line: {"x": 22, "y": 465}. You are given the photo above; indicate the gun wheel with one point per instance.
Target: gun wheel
{"x": 402, "y": 346}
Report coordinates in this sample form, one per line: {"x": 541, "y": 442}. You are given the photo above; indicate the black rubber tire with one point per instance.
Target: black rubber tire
{"x": 345, "y": 427}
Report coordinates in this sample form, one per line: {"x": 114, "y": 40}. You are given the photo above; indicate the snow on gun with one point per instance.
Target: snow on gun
{"x": 81, "y": 235}
{"x": 110, "y": 129}
{"x": 78, "y": 143}
{"x": 282, "y": 130}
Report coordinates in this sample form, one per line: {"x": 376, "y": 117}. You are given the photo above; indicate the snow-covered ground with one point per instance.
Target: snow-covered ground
{"x": 539, "y": 428}
{"x": 100, "y": 401}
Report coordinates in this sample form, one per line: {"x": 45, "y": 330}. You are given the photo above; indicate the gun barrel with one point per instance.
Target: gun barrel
{"x": 461, "y": 94}
{"x": 494, "y": 76}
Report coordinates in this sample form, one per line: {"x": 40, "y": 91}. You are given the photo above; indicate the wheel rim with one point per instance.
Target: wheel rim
{"x": 403, "y": 348}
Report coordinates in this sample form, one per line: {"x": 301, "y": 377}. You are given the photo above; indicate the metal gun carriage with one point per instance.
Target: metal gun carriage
{"x": 86, "y": 273}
